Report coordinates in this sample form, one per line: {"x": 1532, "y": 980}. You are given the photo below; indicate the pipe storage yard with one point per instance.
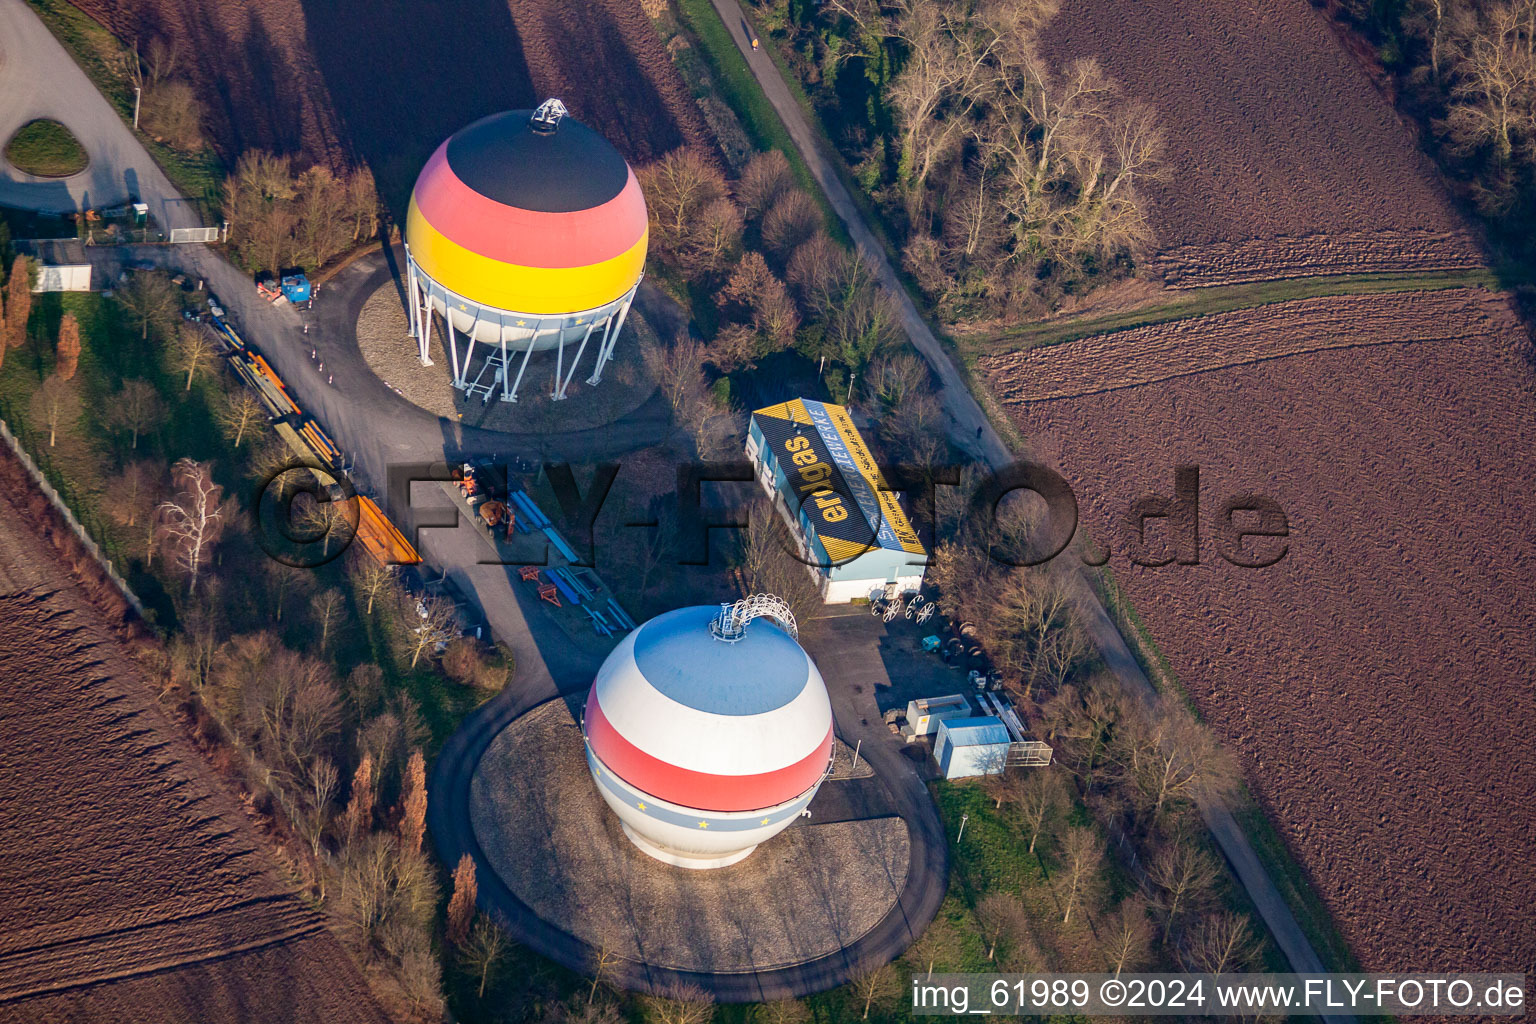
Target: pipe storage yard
{"x": 485, "y": 484}
{"x": 311, "y": 445}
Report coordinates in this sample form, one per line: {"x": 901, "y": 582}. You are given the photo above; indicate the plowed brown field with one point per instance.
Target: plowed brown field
{"x": 387, "y": 81}
{"x": 1379, "y": 682}
{"x": 1275, "y": 135}
{"x": 132, "y": 887}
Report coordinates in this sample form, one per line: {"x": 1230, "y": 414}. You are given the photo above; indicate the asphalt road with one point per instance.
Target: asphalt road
{"x": 971, "y": 432}
{"x": 38, "y": 79}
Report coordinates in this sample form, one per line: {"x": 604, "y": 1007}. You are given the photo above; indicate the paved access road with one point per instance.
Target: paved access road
{"x": 38, "y": 79}
{"x": 965, "y": 420}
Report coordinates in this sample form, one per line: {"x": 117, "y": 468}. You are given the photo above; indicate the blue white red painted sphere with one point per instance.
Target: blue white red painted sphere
{"x": 702, "y": 747}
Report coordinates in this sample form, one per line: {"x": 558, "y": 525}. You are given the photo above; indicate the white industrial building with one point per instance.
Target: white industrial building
{"x": 854, "y": 534}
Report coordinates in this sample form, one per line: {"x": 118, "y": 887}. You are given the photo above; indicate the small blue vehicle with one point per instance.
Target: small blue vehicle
{"x": 930, "y": 644}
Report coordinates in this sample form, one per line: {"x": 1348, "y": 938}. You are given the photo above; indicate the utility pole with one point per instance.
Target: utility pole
{"x": 856, "y": 748}
{"x": 137, "y": 92}
{"x": 851, "y": 378}
{"x": 963, "y": 819}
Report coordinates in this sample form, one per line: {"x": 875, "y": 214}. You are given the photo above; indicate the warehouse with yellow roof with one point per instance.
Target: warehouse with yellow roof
{"x": 854, "y": 534}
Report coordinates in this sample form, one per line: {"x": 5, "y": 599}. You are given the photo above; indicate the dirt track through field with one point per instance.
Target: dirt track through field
{"x": 132, "y": 887}
{"x": 1275, "y": 134}
{"x": 1377, "y": 683}
{"x": 1161, "y": 352}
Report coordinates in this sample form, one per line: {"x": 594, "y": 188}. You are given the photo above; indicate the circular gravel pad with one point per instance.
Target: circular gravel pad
{"x": 390, "y": 352}
{"x": 807, "y": 892}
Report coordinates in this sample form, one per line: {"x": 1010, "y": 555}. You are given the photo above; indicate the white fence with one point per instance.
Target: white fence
{"x": 68, "y": 277}
{"x": 194, "y": 235}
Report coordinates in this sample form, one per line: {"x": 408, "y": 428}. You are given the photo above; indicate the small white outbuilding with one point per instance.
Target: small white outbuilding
{"x": 972, "y": 746}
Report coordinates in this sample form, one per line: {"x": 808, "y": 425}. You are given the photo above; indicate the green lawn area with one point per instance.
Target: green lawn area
{"x": 47, "y": 149}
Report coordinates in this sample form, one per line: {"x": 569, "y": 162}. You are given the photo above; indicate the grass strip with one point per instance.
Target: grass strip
{"x": 742, "y": 94}
{"x": 1223, "y": 299}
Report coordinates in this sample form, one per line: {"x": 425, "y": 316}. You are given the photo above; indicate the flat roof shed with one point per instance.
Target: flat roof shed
{"x": 972, "y": 746}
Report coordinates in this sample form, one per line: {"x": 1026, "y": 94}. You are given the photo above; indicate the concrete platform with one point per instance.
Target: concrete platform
{"x": 803, "y": 895}
{"x": 382, "y": 337}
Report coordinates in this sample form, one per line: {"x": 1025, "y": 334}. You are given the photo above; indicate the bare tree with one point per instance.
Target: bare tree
{"x": 240, "y": 411}
{"x": 193, "y": 521}
{"x": 136, "y": 408}
{"x": 791, "y": 221}
{"x": 1180, "y": 877}
{"x": 873, "y": 982}
{"x": 1494, "y": 82}
{"x": 1040, "y": 797}
{"x": 421, "y": 976}
{"x": 601, "y": 1012}
{"x": 771, "y": 565}
{"x": 430, "y": 622}
{"x": 782, "y": 1011}
{"x": 678, "y": 188}
{"x": 291, "y": 708}
{"x": 461, "y": 905}
{"x": 603, "y": 959}
{"x": 1031, "y": 632}
{"x": 330, "y": 521}
{"x": 483, "y": 950}
{"x": 67, "y": 351}
{"x": 675, "y": 368}
{"x": 764, "y": 180}
{"x": 194, "y": 350}
{"x": 1079, "y": 719}
{"x": 1125, "y": 936}
{"x": 324, "y": 782}
{"x": 330, "y": 607}
{"x": 1172, "y": 757}
{"x": 150, "y": 299}
{"x": 684, "y": 1003}
{"x": 1081, "y": 853}
{"x": 1001, "y": 917}
{"x": 1219, "y": 943}
{"x": 714, "y": 236}
{"x": 56, "y": 405}
{"x": 133, "y": 494}
{"x": 288, "y": 581}
{"x": 373, "y": 579}
{"x": 321, "y": 208}
{"x": 413, "y": 804}
{"x": 172, "y": 113}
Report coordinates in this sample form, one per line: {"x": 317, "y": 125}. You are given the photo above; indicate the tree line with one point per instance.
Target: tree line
{"x": 1010, "y": 181}
{"x": 281, "y": 217}
{"x": 1139, "y": 767}
{"x": 775, "y": 281}
{"x": 1467, "y": 71}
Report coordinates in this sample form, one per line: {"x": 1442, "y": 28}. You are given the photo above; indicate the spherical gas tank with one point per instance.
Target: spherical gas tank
{"x": 527, "y": 215}
{"x": 705, "y": 747}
